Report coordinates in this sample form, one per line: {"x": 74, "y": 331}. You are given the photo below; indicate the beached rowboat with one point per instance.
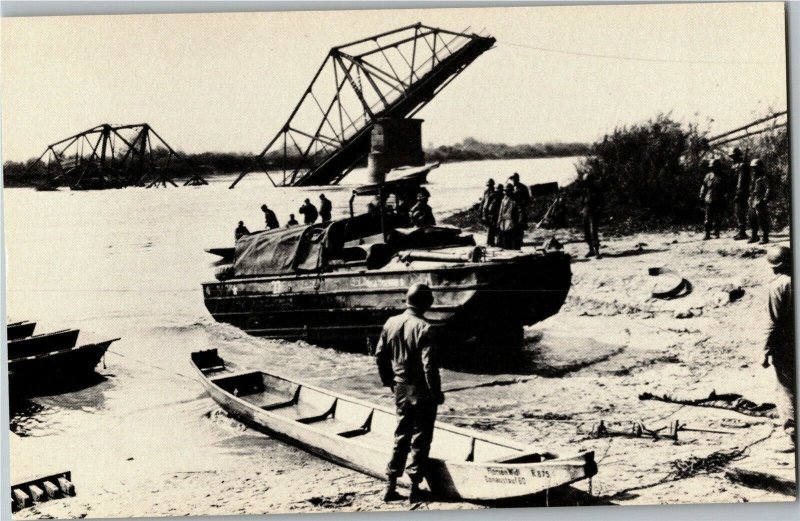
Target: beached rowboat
{"x": 42, "y": 369}
{"x": 18, "y": 330}
{"x": 45, "y": 343}
{"x": 464, "y": 465}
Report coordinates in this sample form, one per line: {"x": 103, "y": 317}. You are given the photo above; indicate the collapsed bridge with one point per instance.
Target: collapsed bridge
{"x": 388, "y": 75}
{"x": 109, "y": 156}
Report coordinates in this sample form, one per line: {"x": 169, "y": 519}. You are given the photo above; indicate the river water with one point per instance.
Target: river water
{"x": 129, "y": 263}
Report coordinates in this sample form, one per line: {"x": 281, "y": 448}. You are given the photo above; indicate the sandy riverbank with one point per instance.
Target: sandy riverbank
{"x": 611, "y": 342}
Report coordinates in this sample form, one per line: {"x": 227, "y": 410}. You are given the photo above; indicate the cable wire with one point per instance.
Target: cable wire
{"x": 636, "y": 58}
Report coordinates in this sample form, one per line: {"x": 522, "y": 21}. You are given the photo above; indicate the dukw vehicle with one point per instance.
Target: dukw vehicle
{"x": 336, "y": 283}
{"x": 464, "y": 465}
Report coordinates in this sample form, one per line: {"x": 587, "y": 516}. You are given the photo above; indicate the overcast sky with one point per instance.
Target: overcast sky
{"x": 227, "y": 82}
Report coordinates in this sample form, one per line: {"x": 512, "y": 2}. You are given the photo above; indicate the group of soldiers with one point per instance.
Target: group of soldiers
{"x": 751, "y": 195}
{"x": 307, "y": 210}
{"x": 505, "y": 210}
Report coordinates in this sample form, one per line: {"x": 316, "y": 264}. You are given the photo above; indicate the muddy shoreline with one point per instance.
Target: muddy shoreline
{"x": 610, "y": 343}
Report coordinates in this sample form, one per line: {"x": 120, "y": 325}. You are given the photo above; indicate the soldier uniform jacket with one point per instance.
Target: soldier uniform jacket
{"x": 422, "y": 215}
{"x": 780, "y": 328}
{"x": 742, "y": 173}
{"x": 486, "y": 204}
{"x": 405, "y": 354}
{"x": 711, "y": 191}
{"x": 759, "y": 191}
{"x": 270, "y": 219}
{"x": 509, "y": 216}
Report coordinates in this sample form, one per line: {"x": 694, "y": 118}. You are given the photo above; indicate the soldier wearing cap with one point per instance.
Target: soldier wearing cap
{"x": 711, "y": 196}
{"x": 484, "y": 211}
{"x": 741, "y": 172}
{"x": 779, "y": 345}
{"x": 407, "y": 364}
{"x": 758, "y": 202}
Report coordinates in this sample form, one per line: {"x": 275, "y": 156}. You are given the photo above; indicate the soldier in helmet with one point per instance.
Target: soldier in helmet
{"x": 407, "y": 364}
{"x": 711, "y": 196}
{"x": 241, "y": 230}
{"x": 422, "y": 213}
{"x": 759, "y": 198}
{"x": 779, "y": 345}
{"x": 741, "y": 173}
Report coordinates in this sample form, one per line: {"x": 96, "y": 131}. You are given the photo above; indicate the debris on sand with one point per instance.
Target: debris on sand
{"x": 342, "y": 500}
{"x": 729, "y": 401}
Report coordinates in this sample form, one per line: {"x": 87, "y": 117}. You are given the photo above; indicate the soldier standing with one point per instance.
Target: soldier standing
{"x": 407, "y": 365}
{"x": 484, "y": 211}
{"x": 711, "y": 196}
{"x": 325, "y": 208}
{"x": 741, "y": 173}
{"x": 591, "y": 204}
{"x": 508, "y": 219}
{"x": 759, "y": 198}
{"x": 493, "y": 235}
{"x": 779, "y": 345}
{"x": 523, "y": 197}
{"x": 270, "y": 219}
{"x": 309, "y": 212}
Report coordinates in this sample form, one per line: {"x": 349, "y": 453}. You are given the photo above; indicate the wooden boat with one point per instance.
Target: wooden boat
{"x": 46, "y": 343}
{"x": 17, "y": 330}
{"x": 464, "y": 465}
{"x": 69, "y": 363}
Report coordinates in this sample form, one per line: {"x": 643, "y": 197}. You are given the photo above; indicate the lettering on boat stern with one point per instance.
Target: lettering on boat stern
{"x": 511, "y": 476}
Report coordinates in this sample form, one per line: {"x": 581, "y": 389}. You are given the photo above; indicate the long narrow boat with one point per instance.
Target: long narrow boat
{"x": 70, "y": 363}
{"x": 46, "y": 343}
{"x": 465, "y": 465}
{"x": 17, "y": 330}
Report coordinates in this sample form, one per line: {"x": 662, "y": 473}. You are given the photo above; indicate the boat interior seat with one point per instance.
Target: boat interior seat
{"x": 451, "y": 446}
{"x": 520, "y": 457}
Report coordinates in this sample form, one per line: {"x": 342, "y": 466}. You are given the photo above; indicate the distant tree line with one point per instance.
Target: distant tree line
{"x": 211, "y": 163}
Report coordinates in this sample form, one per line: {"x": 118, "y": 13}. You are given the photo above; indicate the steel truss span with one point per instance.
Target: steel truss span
{"x": 392, "y": 74}
{"x": 112, "y": 156}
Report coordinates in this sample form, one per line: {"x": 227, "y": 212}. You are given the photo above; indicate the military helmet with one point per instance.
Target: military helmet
{"x": 490, "y": 182}
{"x": 779, "y": 256}
{"x": 419, "y": 297}
{"x": 737, "y": 152}
{"x": 716, "y": 162}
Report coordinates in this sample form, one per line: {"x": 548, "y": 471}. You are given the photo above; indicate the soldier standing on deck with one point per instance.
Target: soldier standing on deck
{"x": 485, "y": 209}
{"x": 270, "y": 219}
{"x": 591, "y": 205}
{"x": 759, "y": 198}
{"x": 779, "y": 346}
{"x": 309, "y": 212}
{"x": 711, "y": 196}
{"x": 407, "y": 365}
{"x": 741, "y": 173}
{"x": 325, "y": 208}
{"x": 422, "y": 213}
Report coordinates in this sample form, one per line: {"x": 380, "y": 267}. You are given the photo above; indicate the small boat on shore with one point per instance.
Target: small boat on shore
{"x": 17, "y": 330}
{"x": 64, "y": 364}
{"x": 45, "y": 343}
{"x": 464, "y": 465}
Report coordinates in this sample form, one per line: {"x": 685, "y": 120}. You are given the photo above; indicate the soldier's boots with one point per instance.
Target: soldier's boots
{"x": 415, "y": 496}
{"x": 707, "y": 237}
{"x": 764, "y": 240}
{"x": 391, "y": 491}
{"x": 740, "y": 236}
{"x": 754, "y": 239}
